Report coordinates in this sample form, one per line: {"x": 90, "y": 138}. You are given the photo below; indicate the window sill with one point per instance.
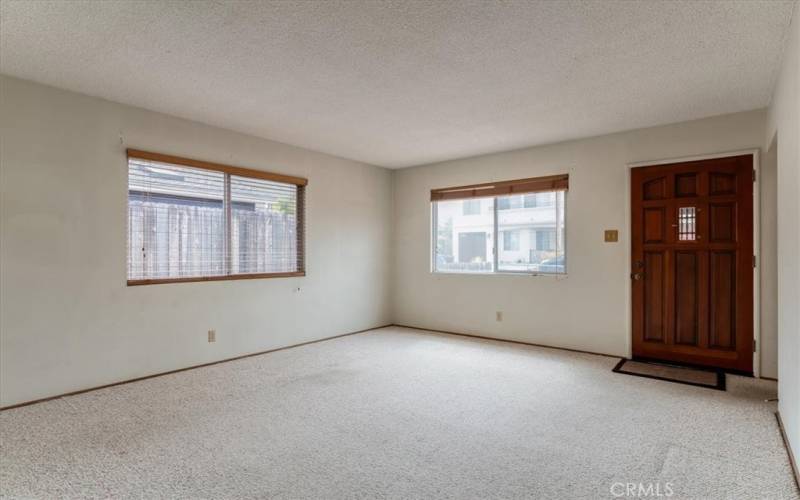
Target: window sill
{"x": 502, "y": 273}
{"x": 229, "y": 277}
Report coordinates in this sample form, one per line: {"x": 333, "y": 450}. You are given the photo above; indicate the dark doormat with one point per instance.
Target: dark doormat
{"x": 701, "y": 377}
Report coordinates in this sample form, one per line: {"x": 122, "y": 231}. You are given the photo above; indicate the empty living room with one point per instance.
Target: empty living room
{"x": 399, "y": 249}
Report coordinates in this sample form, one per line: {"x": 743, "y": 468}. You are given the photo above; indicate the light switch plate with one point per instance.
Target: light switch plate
{"x": 611, "y": 236}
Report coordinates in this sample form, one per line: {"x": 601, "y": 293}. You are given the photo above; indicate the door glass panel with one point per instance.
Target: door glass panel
{"x": 687, "y": 224}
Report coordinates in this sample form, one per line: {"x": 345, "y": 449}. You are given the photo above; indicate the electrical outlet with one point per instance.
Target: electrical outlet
{"x": 212, "y": 335}
{"x": 499, "y": 315}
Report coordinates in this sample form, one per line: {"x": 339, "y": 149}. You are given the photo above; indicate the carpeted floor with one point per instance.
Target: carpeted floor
{"x": 398, "y": 413}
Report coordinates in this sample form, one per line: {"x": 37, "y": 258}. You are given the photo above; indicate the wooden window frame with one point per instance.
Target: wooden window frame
{"x": 230, "y": 170}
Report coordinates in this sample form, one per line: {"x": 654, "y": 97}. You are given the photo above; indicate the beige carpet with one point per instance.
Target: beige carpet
{"x": 398, "y": 413}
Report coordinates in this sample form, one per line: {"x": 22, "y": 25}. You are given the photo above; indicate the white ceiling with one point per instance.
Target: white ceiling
{"x": 407, "y": 82}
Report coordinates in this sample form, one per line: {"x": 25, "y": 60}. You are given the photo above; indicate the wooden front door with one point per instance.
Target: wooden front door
{"x": 692, "y": 262}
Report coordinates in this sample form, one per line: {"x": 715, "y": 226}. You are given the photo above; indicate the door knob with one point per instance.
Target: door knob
{"x": 636, "y": 276}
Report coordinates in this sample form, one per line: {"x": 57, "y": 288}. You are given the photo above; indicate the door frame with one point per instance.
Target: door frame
{"x": 756, "y": 243}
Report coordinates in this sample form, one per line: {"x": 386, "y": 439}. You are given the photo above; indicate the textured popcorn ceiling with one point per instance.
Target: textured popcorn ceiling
{"x": 404, "y": 83}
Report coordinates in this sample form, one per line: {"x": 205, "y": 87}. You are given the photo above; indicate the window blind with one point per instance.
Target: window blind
{"x": 206, "y": 221}
{"x": 264, "y": 236}
{"x": 530, "y": 185}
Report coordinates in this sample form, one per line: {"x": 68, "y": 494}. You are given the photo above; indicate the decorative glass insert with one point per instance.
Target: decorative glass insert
{"x": 687, "y": 224}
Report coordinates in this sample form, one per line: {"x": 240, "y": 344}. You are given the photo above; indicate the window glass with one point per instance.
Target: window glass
{"x": 464, "y": 243}
{"x": 186, "y": 222}
{"x": 511, "y": 241}
{"x": 471, "y": 207}
{"x": 530, "y": 229}
{"x": 263, "y": 226}
{"x": 509, "y": 202}
{"x": 176, "y": 221}
{"x": 687, "y": 223}
{"x": 546, "y": 240}
{"x": 540, "y": 227}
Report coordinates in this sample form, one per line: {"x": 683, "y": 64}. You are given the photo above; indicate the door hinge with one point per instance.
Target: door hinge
{"x": 754, "y": 261}
{"x": 754, "y": 175}
{"x": 754, "y": 346}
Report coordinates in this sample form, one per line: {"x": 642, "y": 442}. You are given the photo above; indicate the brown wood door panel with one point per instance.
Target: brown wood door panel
{"x": 722, "y": 222}
{"x": 687, "y": 270}
{"x": 692, "y": 247}
{"x": 655, "y": 296}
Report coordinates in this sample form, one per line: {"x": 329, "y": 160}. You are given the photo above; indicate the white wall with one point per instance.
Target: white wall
{"x": 783, "y": 121}
{"x": 768, "y": 261}
{"x": 67, "y": 319}
{"x": 588, "y": 310}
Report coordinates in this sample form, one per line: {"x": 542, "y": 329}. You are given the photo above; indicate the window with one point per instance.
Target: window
{"x": 540, "y": 253}
{"x": 196, "y": 221}
{"x": 545, "y": 239}
{"x": 472, "y": 248}
{"x": 539, "y": 200}
{"x": 532, "y": 200}
{"x": 529, "y": 200}
{"x": 464, "y": 243}
{"x": 509, "y": 233}
{"x": 471, "y": 207}
{"x": 509, "y": 202}
{"x": 511, "y": 240}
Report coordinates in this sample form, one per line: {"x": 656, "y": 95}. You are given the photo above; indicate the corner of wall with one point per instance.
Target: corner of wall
{"x": 393, "y": 249}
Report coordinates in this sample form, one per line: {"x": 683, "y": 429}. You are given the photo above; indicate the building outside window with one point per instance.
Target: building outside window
{"x": 545, "y": 240}
{"x": 511, "y": 241}
{"x": 471, "y": 207}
